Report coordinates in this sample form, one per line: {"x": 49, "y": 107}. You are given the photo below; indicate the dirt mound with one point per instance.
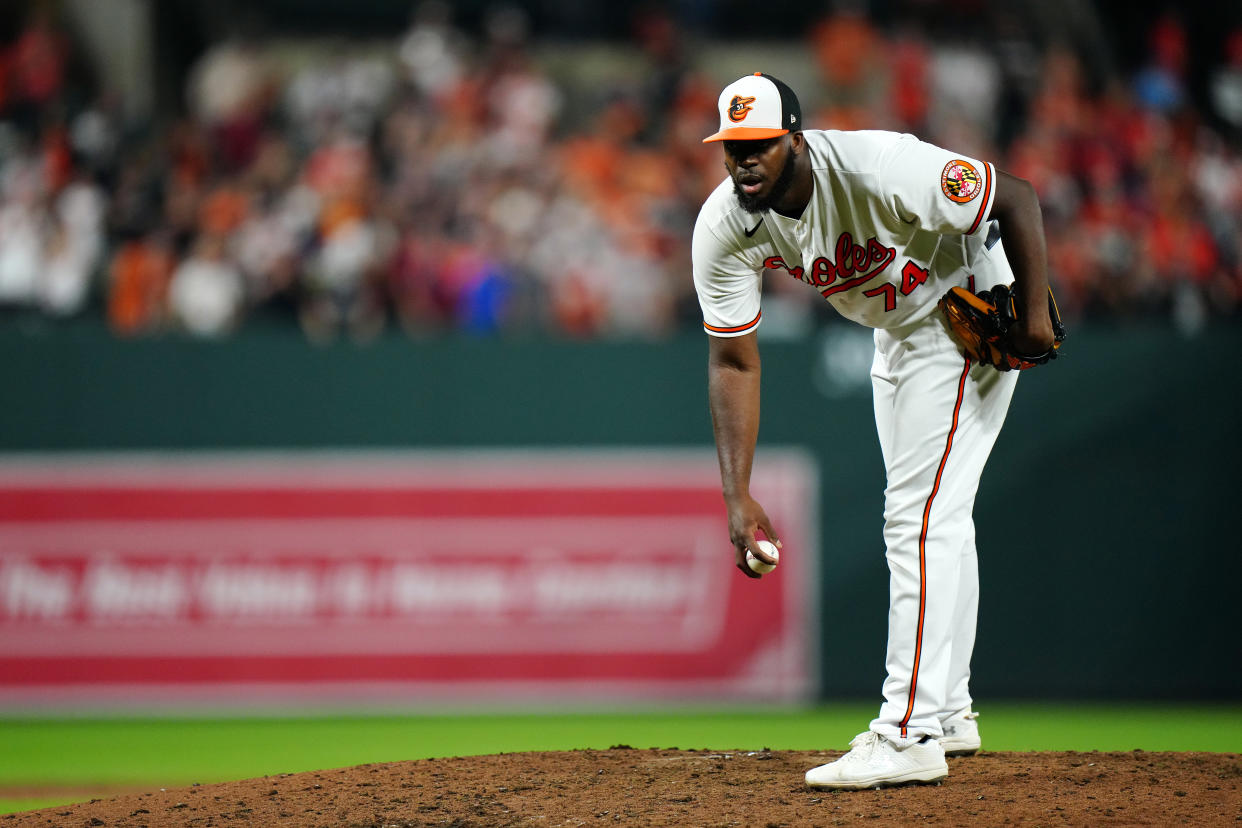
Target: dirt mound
{"x": 623, "y": 786}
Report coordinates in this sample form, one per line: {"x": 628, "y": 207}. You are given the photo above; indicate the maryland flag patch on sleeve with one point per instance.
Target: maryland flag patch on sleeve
{"x": 960, "y": 181}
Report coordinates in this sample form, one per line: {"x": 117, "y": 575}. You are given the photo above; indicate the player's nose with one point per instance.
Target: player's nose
{"x": 747, "y": 162}
{"x": 742, "y": 153}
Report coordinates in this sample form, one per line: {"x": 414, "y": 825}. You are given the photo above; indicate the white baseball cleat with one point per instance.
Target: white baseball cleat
{"x": 875, "y": 762}
{"x": 961, "y": 733}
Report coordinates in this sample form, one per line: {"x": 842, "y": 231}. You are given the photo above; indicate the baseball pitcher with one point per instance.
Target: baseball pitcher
{"x": 944, "y": 256}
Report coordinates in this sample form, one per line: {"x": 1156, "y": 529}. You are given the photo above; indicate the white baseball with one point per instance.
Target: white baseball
{"x": 759, "y": 566}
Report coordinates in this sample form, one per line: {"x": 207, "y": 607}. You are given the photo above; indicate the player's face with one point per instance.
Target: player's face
{"x": 762, "y": 171}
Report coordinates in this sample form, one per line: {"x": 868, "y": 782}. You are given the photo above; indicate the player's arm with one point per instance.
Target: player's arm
{"x": 1016, "y": 208}
{"x": 951, "y": 201}
{"x": 733, "y": 393}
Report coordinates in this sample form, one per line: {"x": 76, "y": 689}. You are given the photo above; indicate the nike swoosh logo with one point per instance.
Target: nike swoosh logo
{"x": 752, "y": 230}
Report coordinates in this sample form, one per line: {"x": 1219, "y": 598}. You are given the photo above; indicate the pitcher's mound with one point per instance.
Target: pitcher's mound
{"x": 622, "y": 786}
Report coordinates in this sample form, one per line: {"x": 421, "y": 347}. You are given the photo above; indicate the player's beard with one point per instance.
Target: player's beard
{"x": 757, "y": 203}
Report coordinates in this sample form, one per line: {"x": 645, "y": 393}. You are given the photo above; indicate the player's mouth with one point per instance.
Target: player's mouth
{"x": 749, "y": 183}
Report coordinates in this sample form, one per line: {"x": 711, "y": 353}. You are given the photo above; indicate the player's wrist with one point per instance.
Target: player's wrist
{"x": 1031, "y": 337}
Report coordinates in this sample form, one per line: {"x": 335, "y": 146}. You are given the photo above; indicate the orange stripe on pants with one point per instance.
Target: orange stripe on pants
{"x": 918, "y": 643}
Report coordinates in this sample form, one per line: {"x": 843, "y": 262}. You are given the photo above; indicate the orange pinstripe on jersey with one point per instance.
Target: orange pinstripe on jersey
{"x": 989, "y": 173}
{"x": 737, "y": 329}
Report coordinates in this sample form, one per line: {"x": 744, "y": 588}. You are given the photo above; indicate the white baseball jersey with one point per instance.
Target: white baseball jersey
{"x": 893, "y": 223}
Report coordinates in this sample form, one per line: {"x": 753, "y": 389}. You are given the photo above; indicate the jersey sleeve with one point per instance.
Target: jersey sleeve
{"x": 938, "y": 190}
{"x": 727, "y": 284}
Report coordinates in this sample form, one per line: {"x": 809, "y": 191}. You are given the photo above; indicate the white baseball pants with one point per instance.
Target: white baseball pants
{"x": 938, "y": 416}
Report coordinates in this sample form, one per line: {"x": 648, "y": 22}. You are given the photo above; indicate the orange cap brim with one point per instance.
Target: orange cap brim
{"x": 744, "y": 134}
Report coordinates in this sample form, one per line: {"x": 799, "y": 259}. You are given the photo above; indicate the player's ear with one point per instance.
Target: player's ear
{"x": 796, "y": 142}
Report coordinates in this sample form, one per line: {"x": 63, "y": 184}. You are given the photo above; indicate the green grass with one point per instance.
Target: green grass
{"x": 84, "y": 757}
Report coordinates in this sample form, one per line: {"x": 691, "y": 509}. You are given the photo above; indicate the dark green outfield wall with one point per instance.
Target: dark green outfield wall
{"x": 1110, "y": 561}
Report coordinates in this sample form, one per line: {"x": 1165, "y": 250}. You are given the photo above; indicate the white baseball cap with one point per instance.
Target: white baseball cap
{"x": 755, "y": 107}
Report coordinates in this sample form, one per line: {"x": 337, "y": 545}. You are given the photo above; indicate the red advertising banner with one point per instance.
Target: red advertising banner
{"x": 452, "y": 577}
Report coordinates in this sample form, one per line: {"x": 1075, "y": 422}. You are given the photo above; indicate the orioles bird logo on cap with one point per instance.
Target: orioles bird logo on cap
{"x": 739, "y": 106}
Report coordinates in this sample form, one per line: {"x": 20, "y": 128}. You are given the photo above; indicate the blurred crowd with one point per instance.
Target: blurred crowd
{"x": 449, "y": 181}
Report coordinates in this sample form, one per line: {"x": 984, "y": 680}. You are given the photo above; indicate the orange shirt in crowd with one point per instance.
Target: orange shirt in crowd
{"x": 139, "y": 286}
{"x": 223, "y": 210}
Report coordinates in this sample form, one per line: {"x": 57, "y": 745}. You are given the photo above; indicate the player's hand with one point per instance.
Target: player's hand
{"x": 1033, "y": 336}
{"x": 746, "y": 517}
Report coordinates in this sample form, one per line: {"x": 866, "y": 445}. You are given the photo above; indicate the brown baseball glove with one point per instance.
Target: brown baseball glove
{"x": 982, "y": 324}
